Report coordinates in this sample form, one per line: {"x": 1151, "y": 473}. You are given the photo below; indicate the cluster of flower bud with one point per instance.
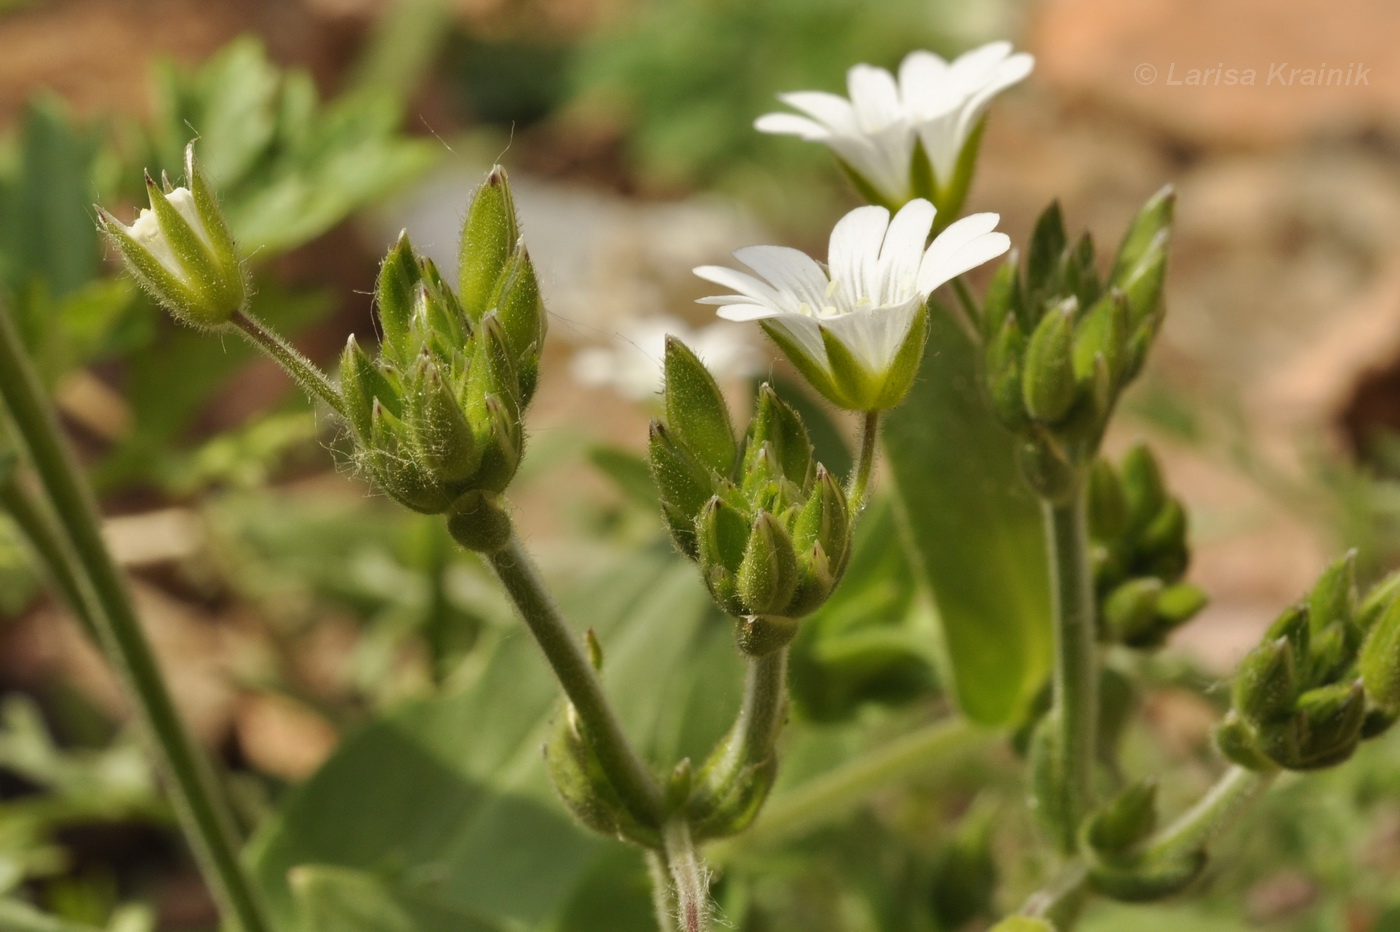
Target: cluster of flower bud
{"x": 768, "y": 525}
{"x": 181, "y": 251}
{"x": 1062, "y": 342}
{"x": 1138, "y": 545}
{"x": 1123, "y": 866}
{"x": 437, "y": 414}
{"x": 1325, "y": 678}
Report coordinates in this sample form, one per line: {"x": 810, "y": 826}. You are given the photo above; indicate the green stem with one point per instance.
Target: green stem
{"x": 1075, "y": 711}
{"x": 865, "y": 461}
{"x": 49, "y": 548}
{"x": 840, "y": 790}
{"x": 576, "y": 675}
{"x": 1061, "y": 896}
{"x": 692, "y": 882}
{"x": 663, "y": 905}
{"x": 1220, "y": 808}
{"x": 967, "y": 313}
{"x": 761, "y": 714}
{"x": 302, "y": 370}
{"x": 196, "y": 797}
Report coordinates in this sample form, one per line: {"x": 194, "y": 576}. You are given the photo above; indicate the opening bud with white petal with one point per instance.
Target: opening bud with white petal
{"x": 181, "y": 251}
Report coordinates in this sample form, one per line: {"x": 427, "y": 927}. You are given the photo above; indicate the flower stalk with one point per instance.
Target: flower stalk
{"x": 202, "y": 811}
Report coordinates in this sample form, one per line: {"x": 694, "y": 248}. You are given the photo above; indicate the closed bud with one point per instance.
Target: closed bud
{"x": 723, "y": 537}
{"x": 1150, "y": 879}
{"x": 696, "y": 410}
{"x": 478, "y": 522}
{"x": 1046, "y": 469}
{"x": 1267, "y": 682}
{"x": 1380, "y": 660}
{"x": 1048, "y": 242}
{"x": 361, "y": 383}
{"x": 1048, "y": 386}
{"x": 1329, "y": 720}
{"x": 181, "y": 251}
{"x": 1333, "y": 597}
{"x": 1179, "y": 603}
{"x": 1124, "y": 821}
{"x": 1153, "y": 220}
{"x": 767, "y": 575}
{"x": 1102, "y": 332}
{"x": 443, "y": 441}
{"x": 685, "y": 485}
{"x": 585, "y": 789}
{"x": 489, "y": 235}
{"x": 518, "y": 303}
{"x": 1142, "y": 286}
{"x": 778, "y": 425}
{"x": 389, "y": 456}
{"x": 1163, "y": 541}
{"x": 1107, "y": 505}
{"x": 826, "y": 521}
{"x": 1143, "y": 488}
{"x": 1130, "y": 612}
{"x": 1378, "y": 601}
{"x": 1239, "y": 744}
{"x": 1001, "y": 299}
{"x": 395, "y": 293}
{"x": 503, "y": 446}
{"x": 1292, "y": 625}
{"x": 1005, "y": 351}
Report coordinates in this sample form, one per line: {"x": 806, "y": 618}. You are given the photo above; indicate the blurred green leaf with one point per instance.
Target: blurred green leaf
{"x": 975, "y": 531}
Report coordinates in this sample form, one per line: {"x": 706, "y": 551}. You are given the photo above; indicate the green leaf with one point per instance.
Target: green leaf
{"x": 449, "y": 795}
{"x": 974, "y": 531}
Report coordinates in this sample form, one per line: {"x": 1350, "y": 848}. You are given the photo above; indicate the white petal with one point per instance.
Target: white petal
{"x": 966, "y": 244}
{"x": 741, "y": 282}
{"x": 874, "y": 335}
{"x": 831, "y": 110}
{"x": 790, "y": 124}
{"x": 903, "y": 250}
{"x": 881, "y": 158}
{"x": 742, "y": 312}
{"x": 795, "y": 274}
{"x": 806, "y": 333}
{"x": 854, "y": 251}
{"x": 978, "y": 61}
{"x": 875, "y": 97}
{"x": 922, "y": 80}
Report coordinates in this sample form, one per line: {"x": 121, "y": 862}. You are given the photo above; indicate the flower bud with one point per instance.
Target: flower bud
{"x": 696, "y": 410}
{"x": 767, "y": 575}
{"x": 1150, "y": 879}
{"x": 181, "y": 251}
{"x": 1124, "y": 821}
{"x": 1380, "y": 660}
{"x": 1333, "y": 597}
{"x": 516, "y": 300}
{"x": 395, "y": 293}
{"x": 489, "y": 235}
{"x": 1048, "y": 386}
{"x": 1004, "y": 383}
{"x": 583, "y": 785}
{"x": 778, "y": 425}
{"x": 1266, "y": 684}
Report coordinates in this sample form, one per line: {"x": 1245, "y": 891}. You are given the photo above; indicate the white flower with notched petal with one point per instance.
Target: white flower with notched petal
{"x": 933, "y": 102}
{"x": 856, "y": 327}
{"x": 632, "y": 364}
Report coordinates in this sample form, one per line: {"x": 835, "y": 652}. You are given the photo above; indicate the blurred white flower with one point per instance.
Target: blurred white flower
{"x": 632, "y": 363}
{"x": 867, "y": 299}
{"x": 933, "y": 101}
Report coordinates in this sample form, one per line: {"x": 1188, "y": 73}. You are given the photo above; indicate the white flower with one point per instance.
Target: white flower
{"x": 933, "y": 101}
{"x": 632, "y": 364}
{"x": 147, "y": 231}
{"x": 868, "y": 300}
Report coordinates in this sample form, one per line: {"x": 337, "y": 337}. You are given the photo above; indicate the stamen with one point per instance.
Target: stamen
{"x": 831, "y": 288}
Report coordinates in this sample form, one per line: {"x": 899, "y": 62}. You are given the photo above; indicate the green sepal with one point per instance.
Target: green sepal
{"x": 814, "y": 370}
{"x": 438, "y": 312}
{"x": 490, "y": 233}
{"x": 952, "y": 192}
{"x": 1329, "y": 719}
{"x": 1179, "y": 603}
{"x": 160, "y": 283}
{"x": 1079, "y": 277}
{"x": 722, "y": 532}
{"x": 1048, "y": 242}
{"x": 1143, "y": 488}
{"x": 501, "y": 454}
{"x": 1003, "y": 365}
{"x": 389, "y": 457}
{"x": 696, "y": 410}
{"x": 1123, "y": 822}
{"x": 1379, "y": 599}
{"x": 221, "y": 290}
{"x": 1333, "y": 597}
{"x": 867, "y": 191}
{"x": 859, "y": 388}
{"x": 779, "y": 425}
{"x": 361, "y": 383}
{"x": 218, "y": 236}
{"x": 1102, "y": 331}
{"x": 999, "y": 301}
{"x": 1144, "y": 232}
{"x": 826, "y": 520}
{"x": 1142, "y": 286}
{"x": 767, "y": 575}
{"x": 683, "y": 483}
{"x": 1148, "y": 880}
{"x": 1107, "y": 502}
{"x": 443, "y": 440}
{"x": 1046, "y": 469}
{"x": 1379, "y": 663}
{"x": 395, "y": 294}
{"x": 727, "y": 800}
{"x": 1163, "y": 541}
{"x": 1048, "y": 385}
{"x": 1238, "y": 743}
{"x": 1267, "y": 683}
{"x": 518, "y": 303}
{"x": 904, "y": 367}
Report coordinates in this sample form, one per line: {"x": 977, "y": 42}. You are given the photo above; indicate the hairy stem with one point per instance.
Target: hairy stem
{"x": 692, "y": 883}
{"x": 569, "y": 660}
{"x": 1220, "y": 808}
{"x": 663, "y": 904}
{"x": 202, "y": 811}
{"x": 302, "y": 370}
{"x": 50, "y": 550}
{"x": 859, "y": 483}
{"x": 761, "y": 713}
{"x": 1075, "y": 713}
